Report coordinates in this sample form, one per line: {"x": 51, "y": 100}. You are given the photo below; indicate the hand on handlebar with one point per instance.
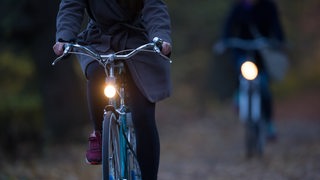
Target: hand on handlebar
{"x": 219, "y": 47}
{"x": 166, "y": 48}
{"x": 58, "y": 48}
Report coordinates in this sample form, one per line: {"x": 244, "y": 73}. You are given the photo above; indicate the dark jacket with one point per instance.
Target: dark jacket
{"x": 250, "y": 21}
{"x": 263, "y": 16}
{"x": 113, "y": 28}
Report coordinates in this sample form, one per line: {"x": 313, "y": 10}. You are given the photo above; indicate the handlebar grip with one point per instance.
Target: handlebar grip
{"x": 66, "y": 48}
{"x": 158, "y": 42}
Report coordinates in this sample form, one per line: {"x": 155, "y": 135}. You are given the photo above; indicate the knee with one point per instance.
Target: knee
{"x": 94, "y": 71}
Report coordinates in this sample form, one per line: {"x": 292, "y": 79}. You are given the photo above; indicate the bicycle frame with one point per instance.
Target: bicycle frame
{"x": 250, "y": 97}
{"x": 118, "y": 107}
{"x": 249, "y": 94}
{"x": 119, "y": 157}
{"x": 250, "y": 108}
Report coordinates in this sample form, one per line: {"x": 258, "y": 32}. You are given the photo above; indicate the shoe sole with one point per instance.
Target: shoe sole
{"x": 92, "y": 162}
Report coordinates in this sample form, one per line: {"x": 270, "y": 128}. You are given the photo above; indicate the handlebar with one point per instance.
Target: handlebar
{"x": 244, "y": 44}
{"x": 69, "y": 48}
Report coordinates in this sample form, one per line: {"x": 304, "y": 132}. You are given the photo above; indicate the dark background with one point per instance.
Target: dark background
{"x": 44, "y": 107}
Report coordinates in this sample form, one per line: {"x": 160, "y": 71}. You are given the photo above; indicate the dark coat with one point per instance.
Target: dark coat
{"x": 263, "y": 16}
{"x": 112, "y": 28}
{"x": 243, "y": 20}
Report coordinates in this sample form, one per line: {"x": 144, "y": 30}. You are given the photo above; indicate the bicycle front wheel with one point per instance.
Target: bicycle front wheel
{"x": 134, "y": 172}
{"x": 254, "y": 138}
{"x": 110, "y": 147}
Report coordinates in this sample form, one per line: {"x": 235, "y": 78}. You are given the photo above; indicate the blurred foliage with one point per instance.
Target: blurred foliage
{"x": 17, "y": 93}
{"x": 197, "y": 26}
{"x": 20, "y": 105}
{"x": 33, "y": 106}
{"x": 18, "y": 19}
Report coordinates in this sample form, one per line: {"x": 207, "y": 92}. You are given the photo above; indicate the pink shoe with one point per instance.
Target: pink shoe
{"x": 93, "y": 155}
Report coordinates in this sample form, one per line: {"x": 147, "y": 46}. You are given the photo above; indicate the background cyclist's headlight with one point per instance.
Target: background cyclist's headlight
{"x": 249, "y": 70}
{"x": 110, "y": 90}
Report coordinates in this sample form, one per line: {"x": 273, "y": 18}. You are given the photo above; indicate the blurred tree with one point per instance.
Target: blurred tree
{"x": 28, "y": 33}
{"x": 20, "y": 106}
{"x": 62, "y": 92}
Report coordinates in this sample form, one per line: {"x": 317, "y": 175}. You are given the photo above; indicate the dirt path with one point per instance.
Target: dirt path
{"x": 212, "y": 147}
{"x": 208, "y": 147}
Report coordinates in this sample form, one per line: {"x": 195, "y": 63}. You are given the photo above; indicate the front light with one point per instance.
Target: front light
{"x": 249, "y": 70}
{"x": 110, "y": 91}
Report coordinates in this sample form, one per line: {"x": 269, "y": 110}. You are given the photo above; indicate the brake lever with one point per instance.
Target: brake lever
{"x": 67, "y": 48}
{"x": 158, "y": 44}
{"x": 158, "y": 47}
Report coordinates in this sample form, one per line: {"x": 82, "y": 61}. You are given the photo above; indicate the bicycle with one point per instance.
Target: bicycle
{"x": 250, "y": 95}
{"x": 119, "y": 159}
{"x": 250, "y": 108}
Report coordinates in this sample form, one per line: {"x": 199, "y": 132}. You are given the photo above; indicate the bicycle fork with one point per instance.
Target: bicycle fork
{"x": 249, "y": 101}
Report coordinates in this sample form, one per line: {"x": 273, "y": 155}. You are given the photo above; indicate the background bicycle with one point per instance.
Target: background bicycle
{"x": 253, "y": 92}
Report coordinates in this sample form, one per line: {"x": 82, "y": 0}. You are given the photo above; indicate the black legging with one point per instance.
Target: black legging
{"x": 143, "y": 114}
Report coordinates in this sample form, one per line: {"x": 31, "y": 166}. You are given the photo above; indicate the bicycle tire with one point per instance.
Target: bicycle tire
{"x": 249, "y": 139}
{"x": 261, "y": 137}
{"x": 132, "y": 161}
{"x": 254, "y": 139}
{"x": 110, "y": 147}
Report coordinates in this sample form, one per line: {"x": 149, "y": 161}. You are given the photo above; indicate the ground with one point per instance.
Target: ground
{"x": 206, "y": 147}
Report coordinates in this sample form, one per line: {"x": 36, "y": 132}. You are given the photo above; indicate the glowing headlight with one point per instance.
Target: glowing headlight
{"x": 110, "y": 91}
{"x": 249, "y": 70}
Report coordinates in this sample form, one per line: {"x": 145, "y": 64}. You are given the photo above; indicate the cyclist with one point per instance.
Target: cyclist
{"x": 247, "y": 20}
{"x": 116, "y": 25}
